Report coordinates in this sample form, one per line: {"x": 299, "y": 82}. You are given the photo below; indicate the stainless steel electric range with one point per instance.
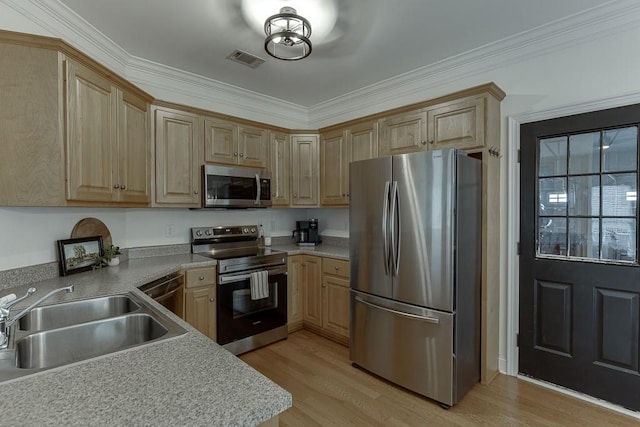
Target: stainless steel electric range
{"x": 246, "y": 319}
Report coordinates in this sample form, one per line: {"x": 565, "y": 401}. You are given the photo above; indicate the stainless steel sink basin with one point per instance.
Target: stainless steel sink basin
{"x": 60, "y": 334}
{"x": 79, "y": 342}
{"x": 75, "y": 312}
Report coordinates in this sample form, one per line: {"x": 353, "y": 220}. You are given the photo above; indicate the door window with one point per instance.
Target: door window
{"x": 587, "y": 196}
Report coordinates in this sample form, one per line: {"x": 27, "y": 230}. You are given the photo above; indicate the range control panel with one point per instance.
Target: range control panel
{"x": 222, "y": 233}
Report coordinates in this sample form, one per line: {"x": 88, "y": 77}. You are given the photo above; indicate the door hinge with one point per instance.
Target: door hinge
{"x": 518, "y": 249}
{"x": 518, "y": 155}
{"x": 517, "y": 340}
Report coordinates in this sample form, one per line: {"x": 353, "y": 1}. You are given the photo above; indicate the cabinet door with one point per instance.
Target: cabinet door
{"x": 200, "y": 309}
{"x": 311, "y": 268}
{"x": 91, "y": 127}
{"x": 304, "y": 166}
{"x": 177, "y": 161}
{"x": 133, "y": 149}
{"x": 220, "y": 142}
{"x": 252, "y": 147}
{"x": 333, "y": 169}
{"x": 458, "y": 124}
{"x": 295, "y": 283}
{"x": 362, "y": 142}
{"x": 280, "y": 152}
{"x": 335, "y": 304}
{"x": 404, "y": 133}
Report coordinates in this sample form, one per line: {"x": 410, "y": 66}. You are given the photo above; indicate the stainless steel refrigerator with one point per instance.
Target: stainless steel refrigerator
{"x": 415, "y": 234}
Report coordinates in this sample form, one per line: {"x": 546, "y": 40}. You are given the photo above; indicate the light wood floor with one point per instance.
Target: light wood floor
{"x": 327, "y": 390}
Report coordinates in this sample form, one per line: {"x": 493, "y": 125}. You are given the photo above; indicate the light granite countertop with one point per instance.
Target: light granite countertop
{"x": 186, "y": 380}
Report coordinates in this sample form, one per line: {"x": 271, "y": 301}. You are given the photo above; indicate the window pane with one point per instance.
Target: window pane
{"x": 553, "y": 196}
{"x": 619, "y": 194}
{"x": 553, "y": 156}
{"x": 619, "y": 239}
{"x": 584, "y": 153}
{"x": 619, "y": 149}
{"x": 584, "y": 237}
{"x": 552, "y": 236}
{"x": 584, "y": 195}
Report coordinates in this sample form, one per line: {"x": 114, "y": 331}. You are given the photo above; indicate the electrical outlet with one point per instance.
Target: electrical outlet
{"x": 170, "y": 230}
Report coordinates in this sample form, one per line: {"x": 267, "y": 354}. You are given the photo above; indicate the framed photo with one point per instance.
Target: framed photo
{"x": 77, "y": 255}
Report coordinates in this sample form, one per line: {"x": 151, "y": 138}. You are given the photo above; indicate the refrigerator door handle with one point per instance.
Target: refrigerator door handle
{"x": 427, "y": 319}
{"x": 385, "y": 231}
{"x": 395, "y": 213}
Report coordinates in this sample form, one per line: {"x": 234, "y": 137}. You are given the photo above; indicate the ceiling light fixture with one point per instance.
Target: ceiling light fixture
{"x": 287, "y": 35}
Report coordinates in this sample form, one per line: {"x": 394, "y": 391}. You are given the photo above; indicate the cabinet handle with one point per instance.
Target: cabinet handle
{"x": 122, "y": 187}
{"x": 241, "y": 154}
{"x": 195, "y": 191}
{"x": 201, "y": 277}
{"x": 116, "y": 186}
{"x": 295, "y": 195}
{"x": 212, "y": 299}
{"x": 235, "y": 154}
{"x": 337, "y": 268}
{"x": 431, "y": 142}
{"x": 324, "y": 285}
{"x": 423, "y": 142}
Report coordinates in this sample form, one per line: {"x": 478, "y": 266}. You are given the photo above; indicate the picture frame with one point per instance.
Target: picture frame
{"x": 80, "y": 254}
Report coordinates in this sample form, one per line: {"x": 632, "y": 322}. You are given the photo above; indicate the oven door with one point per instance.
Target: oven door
{"x": 229, "y": 187}
{"x": 239, "y": 316}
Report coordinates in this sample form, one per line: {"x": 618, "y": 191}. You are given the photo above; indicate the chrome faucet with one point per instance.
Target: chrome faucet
{"x": 5, "y": 308}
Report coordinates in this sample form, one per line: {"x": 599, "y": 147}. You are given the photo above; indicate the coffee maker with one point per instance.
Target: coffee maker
{"x": 306, "y": 233}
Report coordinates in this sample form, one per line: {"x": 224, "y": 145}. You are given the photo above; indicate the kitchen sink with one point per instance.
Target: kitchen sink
{"x": 65, "y": 333}
{"x": 75, "y": 312}
{"x": 79, "y": 342}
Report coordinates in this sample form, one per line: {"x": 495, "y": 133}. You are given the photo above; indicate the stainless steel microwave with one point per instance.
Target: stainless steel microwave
{"x": 235, "y": 187}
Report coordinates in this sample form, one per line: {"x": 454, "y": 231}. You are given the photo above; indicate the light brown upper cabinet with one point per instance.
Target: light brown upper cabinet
{"x": 177, "y": 160}
{"x": 333, "y": 168}
{"x": 304, "y": 170}
{"x": 32, "y": 169}
{"x": 458, "y": 124}
{"x": 108, "y": 153}
{"x": 403, "y": 133}
{"x": 279, "y": 166}
{"x": 338, "y": 148}
{"x": 232, "y": 144}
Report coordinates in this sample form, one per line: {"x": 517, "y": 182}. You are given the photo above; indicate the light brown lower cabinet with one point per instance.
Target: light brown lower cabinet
{"x": 200, "y": 300}
{"x": 322, "y": 284}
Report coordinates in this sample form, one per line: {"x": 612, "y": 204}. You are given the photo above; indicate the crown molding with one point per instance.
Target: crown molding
{"x": 430, "y": 81}
{"x": 62, "y": 22}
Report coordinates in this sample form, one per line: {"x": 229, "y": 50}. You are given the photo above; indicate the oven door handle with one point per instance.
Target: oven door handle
{"x": 223, "y": 280}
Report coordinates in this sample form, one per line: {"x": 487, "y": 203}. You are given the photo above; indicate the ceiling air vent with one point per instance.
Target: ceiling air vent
{"x": 245, "y": 58}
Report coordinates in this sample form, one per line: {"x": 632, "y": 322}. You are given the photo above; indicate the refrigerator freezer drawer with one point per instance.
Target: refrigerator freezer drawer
{"x": 407, "y": 345}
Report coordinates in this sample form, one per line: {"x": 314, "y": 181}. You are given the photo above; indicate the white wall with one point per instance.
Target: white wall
{"x": 29, "y": 235}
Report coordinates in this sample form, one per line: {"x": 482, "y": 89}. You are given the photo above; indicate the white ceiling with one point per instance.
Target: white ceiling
{"x": 377, "y": 39}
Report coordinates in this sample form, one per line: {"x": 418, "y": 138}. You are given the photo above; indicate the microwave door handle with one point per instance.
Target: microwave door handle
{"x": 258, "y": 193}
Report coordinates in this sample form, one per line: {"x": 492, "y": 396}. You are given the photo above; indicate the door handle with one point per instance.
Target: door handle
{"x": 258, "y": 193}
{"x": 428, "y": 319}
{"x": 395, "y": 246}
{"x": 385, "y": 232}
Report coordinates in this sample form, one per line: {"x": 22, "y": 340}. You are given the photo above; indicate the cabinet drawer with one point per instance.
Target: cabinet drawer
{"x": 200, "y": 277}
{"x": 336, "y": 267}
